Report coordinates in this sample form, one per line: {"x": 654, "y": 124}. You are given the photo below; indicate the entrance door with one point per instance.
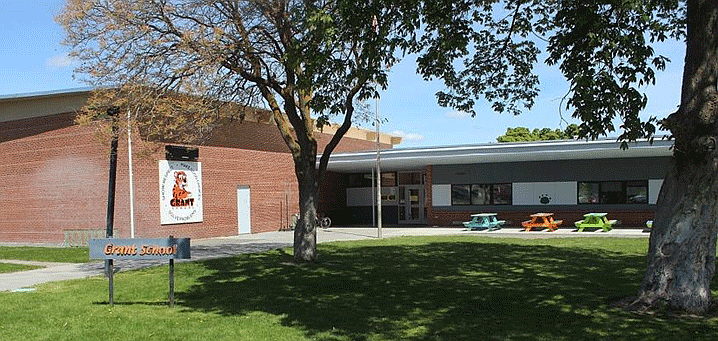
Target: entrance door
{"x": 244, "y": 218}
{"x": 411, "y": 204}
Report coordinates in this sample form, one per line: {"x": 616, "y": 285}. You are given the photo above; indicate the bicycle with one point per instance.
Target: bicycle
{"x": 321, "y": 221}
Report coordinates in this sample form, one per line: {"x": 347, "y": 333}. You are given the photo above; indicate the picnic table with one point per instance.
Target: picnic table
{"x": 541, "y": 220}
{"x": 649, "y": 226}
{"x": 597, "y": 220}
{"x": 484, "y": 221}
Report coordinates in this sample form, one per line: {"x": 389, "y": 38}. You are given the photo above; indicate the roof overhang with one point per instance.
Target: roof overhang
{"x": 40, "y": 104}
{"x": 419, "y": 158}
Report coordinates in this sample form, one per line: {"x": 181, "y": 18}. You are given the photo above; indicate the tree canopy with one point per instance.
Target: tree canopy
{"x": 488, "y": 49}
{"x": 188, "y": 64}
{"x": 521, "y": 134}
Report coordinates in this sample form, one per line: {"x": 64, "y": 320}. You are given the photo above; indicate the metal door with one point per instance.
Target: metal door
{"x": 411, "y": 204}
{"x": 244, "y": 211}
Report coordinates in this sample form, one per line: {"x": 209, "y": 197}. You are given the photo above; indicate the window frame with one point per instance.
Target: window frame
{"x": 489, "y": 189}
{"x": 453, "y": 198}
{"x": 603, "y": 192}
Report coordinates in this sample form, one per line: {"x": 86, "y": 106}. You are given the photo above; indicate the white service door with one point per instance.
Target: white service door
{"x": 244, "y": 218}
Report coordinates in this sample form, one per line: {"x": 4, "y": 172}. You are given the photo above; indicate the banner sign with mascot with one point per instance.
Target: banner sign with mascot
{"x": 180, "y": 192}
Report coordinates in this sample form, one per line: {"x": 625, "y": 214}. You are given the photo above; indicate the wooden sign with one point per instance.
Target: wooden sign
{"x": 138, "y": 248}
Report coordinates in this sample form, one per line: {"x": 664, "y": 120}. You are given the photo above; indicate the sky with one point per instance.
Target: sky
{"x": 33, "y": 59}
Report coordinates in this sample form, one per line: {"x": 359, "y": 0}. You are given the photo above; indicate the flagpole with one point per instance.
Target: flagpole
{"x": 375, "y": 26}
{"x": 132, "y": 182}
{"x": 378, "y": 172}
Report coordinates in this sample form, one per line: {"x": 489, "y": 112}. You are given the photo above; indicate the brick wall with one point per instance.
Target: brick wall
{"x": 51, "y": 180}
{"x": 430, "y": 218}
{"x": 53, "y": 176}
{"x": 265, "y": 136}
{"x": 269, "y": 175}
{"x": 13, "y": 130}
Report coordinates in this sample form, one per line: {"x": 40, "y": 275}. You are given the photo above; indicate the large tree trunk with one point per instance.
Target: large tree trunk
{"x": 681, "y": 254}
{"x": 305, "y": 232}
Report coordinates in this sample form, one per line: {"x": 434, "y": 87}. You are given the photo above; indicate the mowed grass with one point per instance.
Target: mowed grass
{"x": 46, "y": 254}
{"x": 8, "y": 267}
{"x": 427, "y": 288}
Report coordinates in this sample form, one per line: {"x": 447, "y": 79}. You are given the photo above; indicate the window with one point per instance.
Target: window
{"x": 588, "y": 192}
{"x": 502, "y": 194}
{"x": 460, "y": 195}
{"x": 613, "y": 192}
{"x": 481, "y": 194}
{"x": 637, "y": 192}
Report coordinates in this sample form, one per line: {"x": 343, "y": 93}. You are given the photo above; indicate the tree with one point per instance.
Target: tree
{"x": 181, "y": 65}
{"x": 488, "y": 48}
{"x": 520, "y": 134}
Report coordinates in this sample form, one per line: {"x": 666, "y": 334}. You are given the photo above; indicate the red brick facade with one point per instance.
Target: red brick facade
{"x": 54, "y": 176}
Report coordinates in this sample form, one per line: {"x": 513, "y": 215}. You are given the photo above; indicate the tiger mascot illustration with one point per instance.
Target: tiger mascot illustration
{"x": 179, "y": 191}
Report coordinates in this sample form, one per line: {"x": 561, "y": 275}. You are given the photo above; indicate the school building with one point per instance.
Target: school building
{"x": 443, "y": 186}
{"x": 54, "y": 179}
{"x": 54, "y": 176}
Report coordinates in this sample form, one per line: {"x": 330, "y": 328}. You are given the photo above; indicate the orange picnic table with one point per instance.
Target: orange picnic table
{"x": 541, "y": 220}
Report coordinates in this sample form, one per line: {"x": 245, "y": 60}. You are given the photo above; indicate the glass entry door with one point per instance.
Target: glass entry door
{"x": 411, "y": 204}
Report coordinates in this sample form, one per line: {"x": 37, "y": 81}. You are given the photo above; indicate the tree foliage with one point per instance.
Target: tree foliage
{"x": 186, "y": 65}
{"x": 488, "y": 49}
{"x": 522, "y": 134}
{"x": 605, "y": 49}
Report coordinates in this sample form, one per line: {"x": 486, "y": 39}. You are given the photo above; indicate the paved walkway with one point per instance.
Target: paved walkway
{"x": 229, "y": 246}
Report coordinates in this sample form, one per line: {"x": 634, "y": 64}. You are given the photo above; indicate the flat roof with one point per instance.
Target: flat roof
{"x": 51, "y": 93}
{"x": 420, "y": 157}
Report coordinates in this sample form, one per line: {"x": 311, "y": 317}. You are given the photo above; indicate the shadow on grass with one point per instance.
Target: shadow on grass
{"x": 441, "y": 291}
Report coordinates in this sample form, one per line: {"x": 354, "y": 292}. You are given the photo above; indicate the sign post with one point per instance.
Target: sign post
{"x": 172, "y": 282}
{"x": 112, "y": 178}
{"x": 138, "y": 248}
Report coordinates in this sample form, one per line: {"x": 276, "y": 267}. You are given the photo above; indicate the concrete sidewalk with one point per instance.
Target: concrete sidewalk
{"x": 254, "y": 243}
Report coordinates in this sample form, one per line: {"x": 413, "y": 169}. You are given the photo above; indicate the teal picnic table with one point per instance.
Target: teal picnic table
{"x": 595, "y": 220}
{"x": 484, "y": 221}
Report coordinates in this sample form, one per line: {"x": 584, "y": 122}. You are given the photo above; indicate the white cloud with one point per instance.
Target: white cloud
{"x": 407, "y": 136}
{"x": 59, "y": 61}
{"x": 457, "y": 114}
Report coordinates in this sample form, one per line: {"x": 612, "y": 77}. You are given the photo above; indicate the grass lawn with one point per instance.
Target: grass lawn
{"x": 7, "y": 267}
{"x": 427, "y": 288}
{"x": 45, "y": 254}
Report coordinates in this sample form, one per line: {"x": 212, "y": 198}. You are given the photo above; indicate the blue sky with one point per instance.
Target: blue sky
{"x": 32, "y": 59}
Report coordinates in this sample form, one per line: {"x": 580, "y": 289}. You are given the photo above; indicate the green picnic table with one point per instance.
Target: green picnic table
{"x": 595, "y": 220}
